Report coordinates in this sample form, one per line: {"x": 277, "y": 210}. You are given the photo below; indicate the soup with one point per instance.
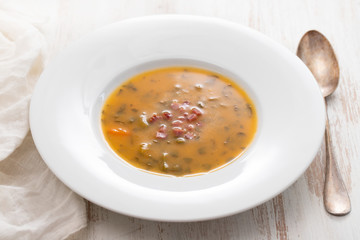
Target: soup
{"x": 178, "y": 121}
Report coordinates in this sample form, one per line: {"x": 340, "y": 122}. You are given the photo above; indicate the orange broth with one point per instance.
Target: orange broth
{"x": 179, "y": 121}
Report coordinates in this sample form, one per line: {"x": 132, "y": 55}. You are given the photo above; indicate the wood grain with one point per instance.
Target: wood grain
{"x": 298, "y": 212}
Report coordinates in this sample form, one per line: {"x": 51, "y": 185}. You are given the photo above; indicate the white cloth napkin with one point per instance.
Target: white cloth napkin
{"x": 34, "y": 204}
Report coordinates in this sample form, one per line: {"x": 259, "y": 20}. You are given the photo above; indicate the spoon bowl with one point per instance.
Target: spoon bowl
{"x": 318, "y": 55}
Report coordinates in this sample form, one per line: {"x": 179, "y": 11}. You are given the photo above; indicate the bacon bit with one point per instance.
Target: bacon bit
{"x": 197, "y": 111}
{"x": 177, "y": 123}
{"x": 192, "y": 117}
{"x": 190, "y": 127}
{"x": 178, "y": 131}
{"x": 161, "y": 135}
{"x": 167, "y": 114}
{"x": 162, "y": 128}
{"x": 189, "y": 135}
{"x": 119, "y": 131}
{"x": 182, "y": 118}
{"x": 182, "y": 109}
{"x": 186, "y": 102}
{"x": 175, "y": 105}
{"x": 154, "y": 118}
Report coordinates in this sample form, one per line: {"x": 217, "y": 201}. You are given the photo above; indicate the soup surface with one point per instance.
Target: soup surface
{"x": 179, "y": 121}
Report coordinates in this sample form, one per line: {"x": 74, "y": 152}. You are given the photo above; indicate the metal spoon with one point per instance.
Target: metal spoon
{"x": 316, "y": 52}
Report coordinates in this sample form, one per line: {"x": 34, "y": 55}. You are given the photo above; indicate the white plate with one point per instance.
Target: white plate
{"x": 65, "y": 116}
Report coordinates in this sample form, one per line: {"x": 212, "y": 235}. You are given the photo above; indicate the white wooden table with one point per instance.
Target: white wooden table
{"x": 297, "y": 213}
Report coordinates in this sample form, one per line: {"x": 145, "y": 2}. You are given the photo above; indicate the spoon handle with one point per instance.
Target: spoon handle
{"x": 336, "y": 198}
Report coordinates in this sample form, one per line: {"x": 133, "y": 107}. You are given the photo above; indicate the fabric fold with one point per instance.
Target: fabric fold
{"x": 34, "y": 204}
{"x": 20, "y": 45}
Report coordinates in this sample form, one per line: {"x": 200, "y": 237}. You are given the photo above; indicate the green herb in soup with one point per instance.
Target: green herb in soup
{"x": 179, "y": 121}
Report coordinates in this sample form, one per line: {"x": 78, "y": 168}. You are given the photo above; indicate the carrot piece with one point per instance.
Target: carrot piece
{"x": 119, "y": 131}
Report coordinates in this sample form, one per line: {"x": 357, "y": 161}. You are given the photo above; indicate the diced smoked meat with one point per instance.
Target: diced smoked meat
{"x": 190, "y": 127}
{"x": 192, "y": 117}
{"x": 175, "y": 105}
{"x": 153, "y": 118}
{"x": 177, "y": 123}
{"x": 178, "y": 131}
{"x": 182, "y": 118}
{"x": 167, "y": 115}
{"x": 196, "y": 111}
{"x": 182, "y": 109}
{"x": 189, "y": 135}
{"x": 162, "y": 128}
